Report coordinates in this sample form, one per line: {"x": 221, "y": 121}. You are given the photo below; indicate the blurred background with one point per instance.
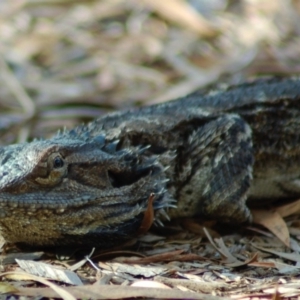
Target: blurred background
{"x": 63, "y": 62}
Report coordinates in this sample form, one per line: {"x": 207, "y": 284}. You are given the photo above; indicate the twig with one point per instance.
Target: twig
{"x": 17, "y": 89}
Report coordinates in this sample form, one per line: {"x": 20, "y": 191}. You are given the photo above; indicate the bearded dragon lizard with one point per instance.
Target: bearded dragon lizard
{"x": 209, "y": 154}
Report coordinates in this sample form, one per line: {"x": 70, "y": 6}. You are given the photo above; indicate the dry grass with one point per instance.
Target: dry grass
{"x": 64, "y": 62}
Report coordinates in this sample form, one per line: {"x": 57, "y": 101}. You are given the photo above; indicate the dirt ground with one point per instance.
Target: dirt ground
{"x": 64, "y": 62}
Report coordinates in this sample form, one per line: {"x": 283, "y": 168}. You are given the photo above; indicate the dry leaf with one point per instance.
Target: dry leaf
{"x": 274, "y": 222}
{"x": 289, "y": 209}
{"x": 198, "y": 286}
{"x": 6, "y": 288}
{"x": 48, "y": 271}
{"x": 119, "y": 292}
{"x": 249, "y": 262}
{"x": 135, "y": 270}
{"x": 276, "y": 295}
{"x": 263, "y": 264}
{"x": 148, "y": 216}
{"x": 150, "y": 284}
{"x": 54, "y": 288}
{"x": 290, "y": 256}
{"x": 155, "y": 258}
{"x": 227, "y": 256}
{"x": 182, "y": 13}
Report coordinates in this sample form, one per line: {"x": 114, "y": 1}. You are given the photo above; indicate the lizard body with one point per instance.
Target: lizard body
{"x": 204, "y": 154}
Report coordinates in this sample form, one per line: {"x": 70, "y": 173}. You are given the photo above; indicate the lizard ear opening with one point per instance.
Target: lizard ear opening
{"x": 119, "y": 178}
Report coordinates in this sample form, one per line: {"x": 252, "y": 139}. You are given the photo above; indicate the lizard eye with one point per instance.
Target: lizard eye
{"x": 53, "y": 172}
{"x": 58, "y": 162}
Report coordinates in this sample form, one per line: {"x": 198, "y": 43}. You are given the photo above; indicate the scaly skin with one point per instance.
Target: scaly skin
{"x": 206, "y": 154}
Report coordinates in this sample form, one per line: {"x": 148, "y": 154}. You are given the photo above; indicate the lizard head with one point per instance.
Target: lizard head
{"x": 62, "y": 191}
{"x": 48, "y": 165}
